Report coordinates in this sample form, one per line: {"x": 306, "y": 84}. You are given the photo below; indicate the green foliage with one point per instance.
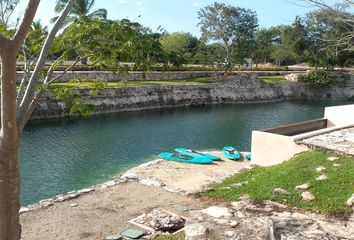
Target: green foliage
{"x": 98, "y": 87}
{"x": 34, "y": 41}
{"x": 81, "y": 9}
{"x": 318, "y": 78}
{"x": 269, "y": 68}
{"x": 234, "y": 27}
{"x": 330, "y": 195}
{"x": 179, "y": 47}
{"x": 73, "y": 101}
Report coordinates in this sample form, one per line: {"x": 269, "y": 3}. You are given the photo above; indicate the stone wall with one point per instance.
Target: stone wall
{"x": 135, "y": 76}
{"x": 130, "y": 76}
{"x": 234, "y": 89}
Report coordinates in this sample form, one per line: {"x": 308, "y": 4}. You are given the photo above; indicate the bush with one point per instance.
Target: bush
{"x": 318, "y": 78}
{"x": 269, "y": 68}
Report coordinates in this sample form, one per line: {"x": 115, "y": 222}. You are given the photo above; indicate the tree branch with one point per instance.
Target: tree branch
{"x": 47, "y": 81}
{"x": 31, "y": 88}
{"x": 25, "y": 25}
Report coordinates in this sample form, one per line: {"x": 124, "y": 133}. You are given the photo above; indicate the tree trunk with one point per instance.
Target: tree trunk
{"x": 10, "y": 228}
{"x": 9, "y": 142}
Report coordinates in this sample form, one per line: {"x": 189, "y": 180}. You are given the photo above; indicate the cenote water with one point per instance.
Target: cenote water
{"x": 58, "y": 156}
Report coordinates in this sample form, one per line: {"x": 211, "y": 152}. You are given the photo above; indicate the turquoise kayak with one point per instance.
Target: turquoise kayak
{"x": 231, "y": 153}
{"x": 192, "y": 153}
{"x": 248, "y": 156}
{"x": 178, "y": 157}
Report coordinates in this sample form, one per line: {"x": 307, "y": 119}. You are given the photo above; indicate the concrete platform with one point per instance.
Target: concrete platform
{"x": 341, "y": 141}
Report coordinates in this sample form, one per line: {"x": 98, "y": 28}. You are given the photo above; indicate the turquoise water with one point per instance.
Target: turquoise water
{"x": 58, "y": 156}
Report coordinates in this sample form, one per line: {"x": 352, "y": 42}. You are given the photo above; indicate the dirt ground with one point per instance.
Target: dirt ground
{"x": 191, "y": 177}
{"x": 107, "y": 211}
{"x": 100, "y": 213}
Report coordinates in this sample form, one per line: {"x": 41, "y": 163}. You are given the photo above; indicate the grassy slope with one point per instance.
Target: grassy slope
{"x": 89, "y": 84}
{"x": 330, "y": 195}
{"x": 272, "y": 79}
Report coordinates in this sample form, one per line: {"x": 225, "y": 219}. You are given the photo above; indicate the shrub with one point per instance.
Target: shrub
{"x": 269, "y": 68}
{"x": 318, "y": 78}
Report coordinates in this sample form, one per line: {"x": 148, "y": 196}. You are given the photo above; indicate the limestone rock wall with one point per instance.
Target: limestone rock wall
{"x": 235, "y": 89}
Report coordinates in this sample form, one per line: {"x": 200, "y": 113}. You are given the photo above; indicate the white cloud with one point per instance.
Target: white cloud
{"x": 195, "y": 4}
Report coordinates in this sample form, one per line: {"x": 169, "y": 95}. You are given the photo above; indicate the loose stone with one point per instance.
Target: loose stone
{"x": 160, "y": 220}
{"x": 332, "y": 158}
{"x": 320, "y": 169}
{"x": 85, "y": 190}
{"x": 230, "y": 234}
{"x": 350, "y": 201}
{"x": 110, "y": 183}
{"x": 24, "y": 209}
{"x": 322, "y": 177}
{"x": 233, "y": 224}
{"x": 336, "y": 165}
{"x": 307, "y": 196}
{"x": 303, "y": 186}
{"x": 73, "y": 205}
{"x": 280, "y": 191}
{"x": 217, "y": 212}
{"x": 151, "y": 182}
{"x": 114, "y": 237}
{"x": 196, "y": 232}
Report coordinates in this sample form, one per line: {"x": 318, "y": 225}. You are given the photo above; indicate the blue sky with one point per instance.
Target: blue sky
{"x": 181, "y": 15}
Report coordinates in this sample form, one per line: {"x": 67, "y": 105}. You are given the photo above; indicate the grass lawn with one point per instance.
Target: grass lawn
{"x": 90, "y": 84}
{"x": 272, "y": 79}
{"x": 330, "y": 195}
{"x": 171, "y": 237}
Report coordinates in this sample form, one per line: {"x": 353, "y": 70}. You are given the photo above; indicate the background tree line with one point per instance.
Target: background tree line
{"x": 228, "y": 35}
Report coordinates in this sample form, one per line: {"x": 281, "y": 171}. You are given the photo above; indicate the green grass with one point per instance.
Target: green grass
{"x": 180, "y": 236}
{"x": 90, "y": 84}
{"x": 272, "y": 79}
{"x": 330, "y": 195}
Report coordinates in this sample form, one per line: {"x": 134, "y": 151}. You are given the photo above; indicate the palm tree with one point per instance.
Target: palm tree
{"x": 81, "y": 9}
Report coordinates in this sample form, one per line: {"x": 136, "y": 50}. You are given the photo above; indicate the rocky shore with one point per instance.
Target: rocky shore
{"x": 240, "y": 88}
{"x": 145, "y": 195}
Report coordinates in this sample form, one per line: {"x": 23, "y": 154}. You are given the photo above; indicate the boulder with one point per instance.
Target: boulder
{"x": 160, "y": 220}
{"x": 196, "y": 232}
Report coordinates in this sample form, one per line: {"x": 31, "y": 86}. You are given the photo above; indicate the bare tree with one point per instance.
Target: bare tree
{"x": 7, "y": 7}
{"x": 15, "y": 111}
{"x": 338, "y": 15}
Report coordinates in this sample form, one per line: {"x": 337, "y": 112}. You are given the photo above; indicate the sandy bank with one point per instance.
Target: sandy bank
{"x": 186, "y": 178}
{"x": 107, "y": 211}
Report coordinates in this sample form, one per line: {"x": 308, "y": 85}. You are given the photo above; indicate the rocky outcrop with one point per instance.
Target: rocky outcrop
{"x": 247, "y": 219}
{"x": 234, "y": 89}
